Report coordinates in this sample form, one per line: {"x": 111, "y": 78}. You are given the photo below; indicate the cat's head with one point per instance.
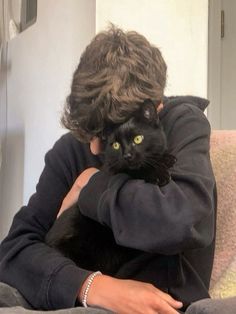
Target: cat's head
{"x": 138, "y": 143}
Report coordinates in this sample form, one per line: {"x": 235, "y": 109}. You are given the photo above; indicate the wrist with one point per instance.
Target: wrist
{"x": 98, "y": 292}
{"x": 85, "y": 289}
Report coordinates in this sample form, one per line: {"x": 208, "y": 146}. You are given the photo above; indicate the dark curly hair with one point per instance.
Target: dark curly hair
{"x": 117, "y": 72}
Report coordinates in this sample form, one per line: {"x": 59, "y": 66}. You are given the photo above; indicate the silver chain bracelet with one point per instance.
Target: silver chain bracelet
{"x": 86, "y": 290}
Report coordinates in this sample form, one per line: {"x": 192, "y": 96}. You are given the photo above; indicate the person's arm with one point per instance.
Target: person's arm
{"x": 47, "y": 279}
{"x": 169, "y": 219}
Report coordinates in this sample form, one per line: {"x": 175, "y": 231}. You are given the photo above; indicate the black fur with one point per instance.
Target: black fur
{"x": 88, "y": 243}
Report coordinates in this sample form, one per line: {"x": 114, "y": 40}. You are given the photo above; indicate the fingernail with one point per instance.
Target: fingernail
{"x": 180, "y": 304}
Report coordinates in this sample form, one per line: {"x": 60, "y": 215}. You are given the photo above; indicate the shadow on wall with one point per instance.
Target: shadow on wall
{"x": 11, "y": 179}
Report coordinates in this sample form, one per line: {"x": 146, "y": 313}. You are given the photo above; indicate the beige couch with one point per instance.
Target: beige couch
{"x": 223, "y": 282}
{"x": 223, "y": 155}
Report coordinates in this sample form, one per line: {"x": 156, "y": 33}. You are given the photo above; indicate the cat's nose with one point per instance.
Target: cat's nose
{"x": 128, "y": 156}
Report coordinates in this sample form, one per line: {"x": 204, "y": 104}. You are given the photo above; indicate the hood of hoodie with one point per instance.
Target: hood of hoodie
{"x": 173, "y": 101}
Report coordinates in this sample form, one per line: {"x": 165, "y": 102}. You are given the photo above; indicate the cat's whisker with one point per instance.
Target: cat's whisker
{"x": 150, "y": 164}
{"x": 152, "y": 161}
{"x": 112, "y": 164}
{"x": 157, "y": 160}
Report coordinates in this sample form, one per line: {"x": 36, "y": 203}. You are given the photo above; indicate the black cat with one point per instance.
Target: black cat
{"x": 137, "y": 147}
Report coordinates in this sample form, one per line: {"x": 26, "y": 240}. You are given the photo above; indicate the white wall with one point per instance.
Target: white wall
{"x": 178, "y": 27}
{"x": 41, "y": 62}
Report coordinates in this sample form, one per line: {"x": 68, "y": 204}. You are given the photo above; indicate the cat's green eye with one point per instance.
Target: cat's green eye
{"x": 138, "y": 139}
{"x": 116, "y": 145}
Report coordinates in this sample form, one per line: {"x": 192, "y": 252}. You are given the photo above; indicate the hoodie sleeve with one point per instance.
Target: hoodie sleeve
{"x": 47, "y": 279}
{"x": 169, "y": 219}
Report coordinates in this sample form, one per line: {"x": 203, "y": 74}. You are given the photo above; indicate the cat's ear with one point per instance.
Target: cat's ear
{"x": 149, "y": 112}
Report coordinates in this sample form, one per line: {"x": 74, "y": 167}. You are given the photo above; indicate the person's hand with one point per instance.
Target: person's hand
{"x": 73, "y": 195}
{"x": 129, "y": 296}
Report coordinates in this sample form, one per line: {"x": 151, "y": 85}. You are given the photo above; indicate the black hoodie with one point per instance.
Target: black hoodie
{"x": 173, "y": 225}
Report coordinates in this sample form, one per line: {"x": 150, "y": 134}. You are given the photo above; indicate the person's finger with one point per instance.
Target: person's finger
{"x": 163, "y": 307}
{"x": 169, "y": 299}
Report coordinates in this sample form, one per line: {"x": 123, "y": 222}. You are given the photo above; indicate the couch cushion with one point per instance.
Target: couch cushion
{"x": 223, "y": 156}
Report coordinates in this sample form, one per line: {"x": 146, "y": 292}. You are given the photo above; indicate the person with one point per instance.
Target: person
{"x": 173, "y": 225}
